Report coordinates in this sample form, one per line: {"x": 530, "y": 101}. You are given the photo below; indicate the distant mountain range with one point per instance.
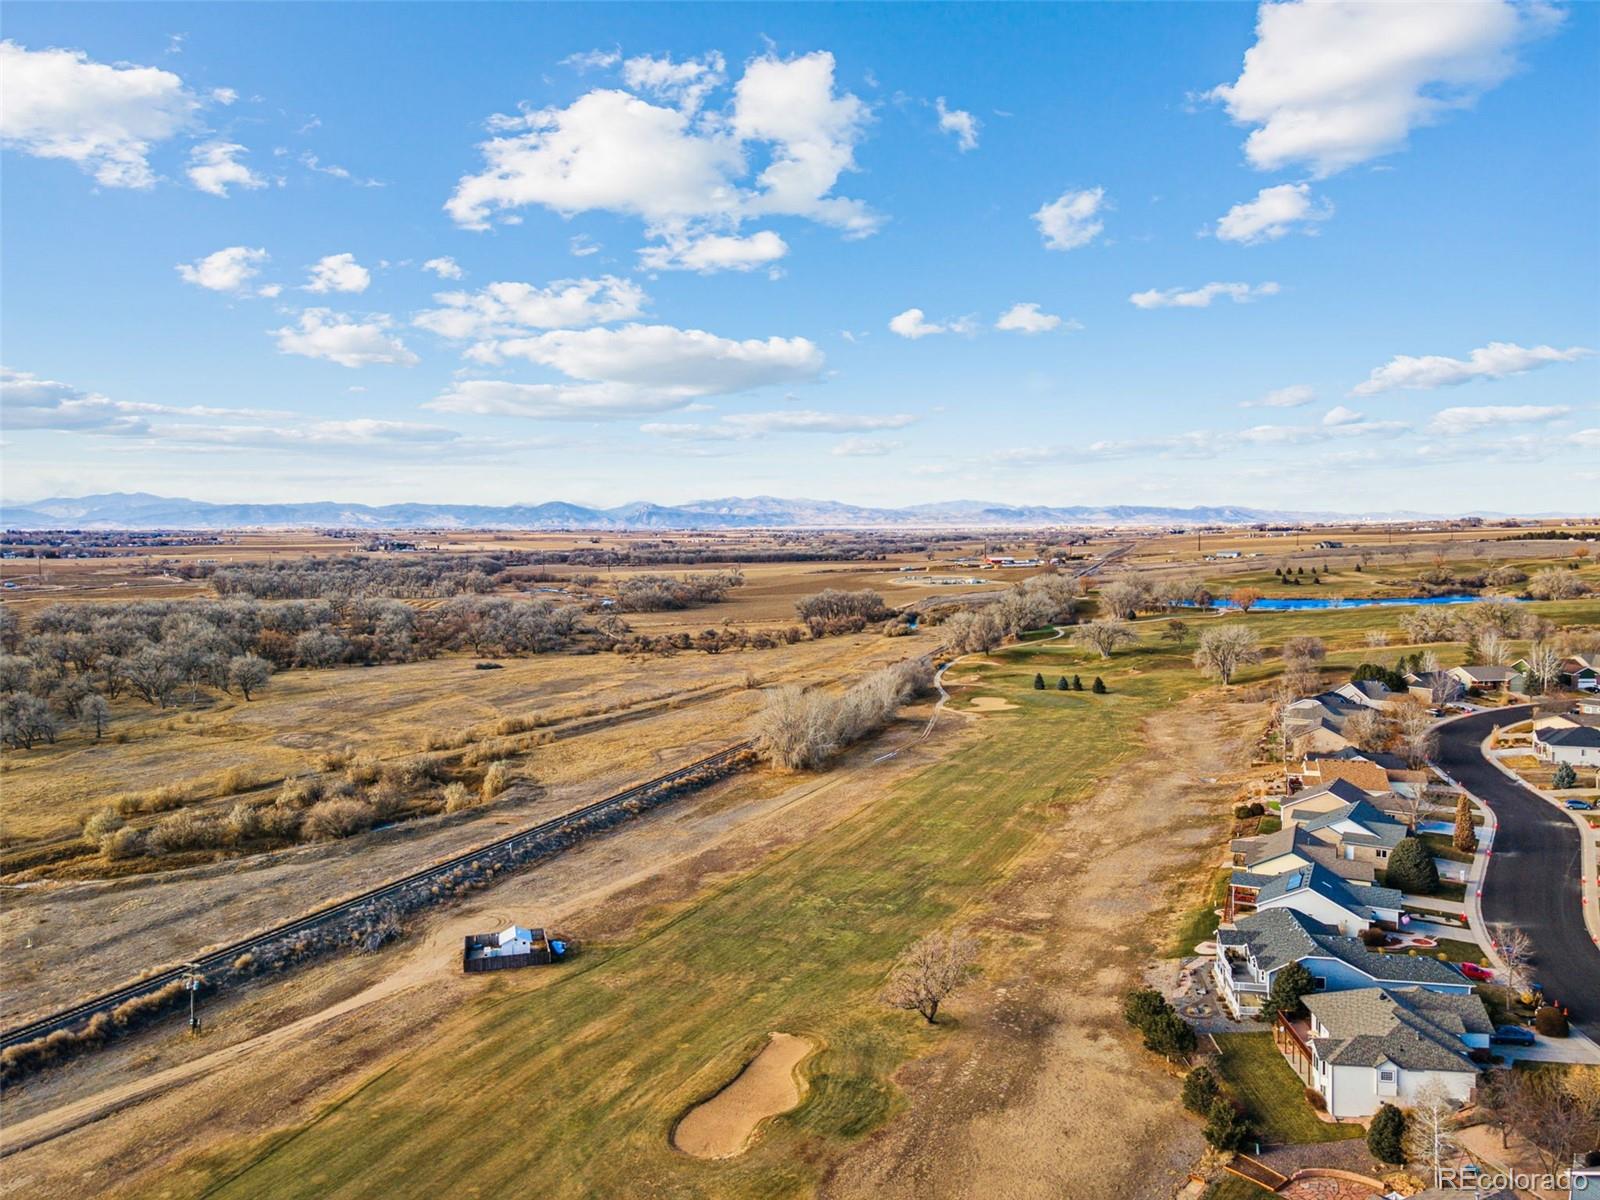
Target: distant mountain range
{"x": 140, "y": 510}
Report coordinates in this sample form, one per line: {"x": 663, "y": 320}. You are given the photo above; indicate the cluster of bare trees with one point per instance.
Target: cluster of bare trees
{"x": 423, "y": 577}
{"x": 1223, "y": 649}
{"x": 802, "y": 730}
{"x": 1035, "y": 602}
{"x": 663, "y": 593}
{"x": 70, "y": 661}
{"x": 1557, "y": 1113}
{"x": 833, "y": 611}
{"x": 1126, "y": 597}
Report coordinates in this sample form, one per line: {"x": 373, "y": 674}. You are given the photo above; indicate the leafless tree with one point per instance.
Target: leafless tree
{"x": 1544, "y": 667}
{"x": 1304, "y": 652}
{"x": 930, "y": 971}
{"x": 249, "y": 673}
{"x": 1412, "y": 722}
{"x": 1366, "y": 729}
{"x": 1223, "y": 649}
{"x": 1515, "y": 949}
{"x": 1123, "y": 598}
{"x": 974, "y": 631}
{"x": 1428, "y": 1127}
{"x": 1105, "y": 636}
{"x": 95, "y": 713}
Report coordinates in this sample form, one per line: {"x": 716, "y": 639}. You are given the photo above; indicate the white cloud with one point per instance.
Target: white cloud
{"x": 679, "y": 171}
{"x": 224, "y": 95}
{"x": 1202, "y": 297}
{"x": 592, "y": 60}
{"x": 1340, "y": 415}
{"x": 556, "y": 401}
{"x": 322, "y": 333}
{"x": 270, "y": 290}
{"x": 1589, "y": 439}
{"x": 581, "y": 247}
{"x": 61, "y": 104}
{"x": 312, "y": 163}
{"x": 913, "y": 324}
{"x": 963, "y": 125}
{"x": 214, "y": 168}
{"x": 684, "y": 84}
{"x": 1452, "y": 421}
{"x": 338, "y": 273}
{"x": 1494, "y": 361}
{"x": 444, "y": 267}
{"x": 1027, "y": 318}
{"x": 691, "y": 361}
{"x": 715, "y": 252}
{"x": 1337, "y": 82}
{"x": 1072, "y": 219}
{"x": 1295, "y": 396}
{"x": 508, "y": 309}
{"x": 1274, "y": 212}
{"x": 226, "y": 270}
{"x": 805, "y": 420}
{"x": 860, "y": 447}
{"x": 29, "y": 402}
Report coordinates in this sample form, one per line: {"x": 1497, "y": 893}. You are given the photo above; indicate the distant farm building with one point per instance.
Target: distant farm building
{"x": 514, "y": 946}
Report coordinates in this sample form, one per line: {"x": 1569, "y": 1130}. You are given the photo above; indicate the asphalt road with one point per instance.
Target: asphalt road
{"x": 1533, "y": 877}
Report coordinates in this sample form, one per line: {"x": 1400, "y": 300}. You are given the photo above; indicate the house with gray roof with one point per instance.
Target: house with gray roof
{"x": 1317, "y": 892}
{"x": 1489, "y": 679}
{"x": 1366, "y": 1047}
{"x": 1292, "y": 848}
{"x": 1253, "y": 949}
{"x": 1577, "y": 745}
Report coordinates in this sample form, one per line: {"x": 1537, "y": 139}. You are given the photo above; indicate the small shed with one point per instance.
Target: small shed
{"x": 514, "y": 946}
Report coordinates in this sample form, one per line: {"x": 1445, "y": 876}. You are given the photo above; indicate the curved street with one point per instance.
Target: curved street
{"x": 1533, "y": 877}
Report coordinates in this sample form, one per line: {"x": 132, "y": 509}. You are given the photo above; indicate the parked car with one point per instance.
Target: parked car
{"x": 1474, "y": 971}
{"x": 1579, "y": 805}
{"x": 1511, "y": 1035}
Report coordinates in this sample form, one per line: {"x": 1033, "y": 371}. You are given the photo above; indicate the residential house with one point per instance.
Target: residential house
{"x": 1581, "y": 672}
{"x": 1377, "y": 773}
{"x": 1366, "y": 1047}
{"x": 1256, "y": 947}
{"x": 1435, "y": 687}
{"x": 1489, "y": 679}
{"x": 1369, "y": 693}
{"x": 1360, "y": 831}
{"x": 1577, "y": 745}
{"x": 1318, "y": 893}
{"x": 1293, "y": 849}
{"x": 1316, "y": 724}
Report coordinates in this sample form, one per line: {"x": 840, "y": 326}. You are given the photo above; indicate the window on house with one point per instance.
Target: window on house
{"x": 1318, "y": 982}
{"x": 1386, "y": 1076}
{"x": 1383, "y": 854}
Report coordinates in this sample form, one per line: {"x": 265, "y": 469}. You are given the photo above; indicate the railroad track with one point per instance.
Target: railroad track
{"x": 68, "y": 1017}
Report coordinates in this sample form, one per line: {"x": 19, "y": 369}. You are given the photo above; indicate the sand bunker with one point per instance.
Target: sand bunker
{"x": 722, "y": 1126}
{"x": 989, "y": 704}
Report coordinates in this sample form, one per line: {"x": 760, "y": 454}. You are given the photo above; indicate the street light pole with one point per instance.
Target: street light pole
{"x": 191, "y": 984}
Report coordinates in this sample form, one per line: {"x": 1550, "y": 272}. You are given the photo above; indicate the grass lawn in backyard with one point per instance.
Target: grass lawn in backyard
{"x": 1272, "y": 1094}
{"x": 595, "y": 1062}
{"x": 1440, "y": 845}
{"x": 1231, "y": 1187}
{"x": 1200, "y": 924}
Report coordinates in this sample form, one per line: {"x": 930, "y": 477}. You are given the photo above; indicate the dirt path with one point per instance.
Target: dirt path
{"x": 770, "y": 1084}
{"x": 1042, "y": 1093}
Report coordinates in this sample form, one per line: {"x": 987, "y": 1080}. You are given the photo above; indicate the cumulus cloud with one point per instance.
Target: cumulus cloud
{"x": 631, "y": 371}
{"x": 1294, "y": 396}
{"x": 226, "y": 270}
{"x": 1201, "y": 297}
{"x": 444, "y": 267}
{"x": 715, "y": 252}
{"x": 323, "y": 333}
{"x": 1494, "y": 361}
{"x": 913, "y": 324}
{"x": 214, "y": 167}
{"x": 682, "y": 171}
{"x": 338, "y": 273}
{"x": 1072, "y": 219}
{"x": 1274, "y": 212}
{"x": 509, "y": 309}
{"x": 1340, "y": 415}
{"x": 963, "y": 126}
{"x": 1027, "y": 318}
{"x": 62, "y": 104}
{"x": 1452, "y": 421}
{"x": 29, "y": 402}
{"x": 1338, "y": 82}
{"x": 1589, "y": 439}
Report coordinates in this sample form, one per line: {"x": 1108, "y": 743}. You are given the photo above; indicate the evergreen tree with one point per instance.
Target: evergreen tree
{"x": 1411, "y": 868}
{"x": 1288, "y": 985}
{"x": 1466, "y": 836}
{"x": 1099, "y": 688}
{"x": 1386, "y": 1135}
{"x": 1077, "y": 683}
{"x": 1062, "y": 685}
{"x": 1225, "y": 1128}
{"x": 1565, "y": 776}
{"x": 1038, "y": 682}
{"x": 1200, "y": 1090}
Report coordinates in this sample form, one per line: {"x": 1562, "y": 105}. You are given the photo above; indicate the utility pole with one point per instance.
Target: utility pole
{"x": 191, "y": 984}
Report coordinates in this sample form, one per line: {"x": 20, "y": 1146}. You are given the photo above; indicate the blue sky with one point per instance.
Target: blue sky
{"x": 1330, "y": 256}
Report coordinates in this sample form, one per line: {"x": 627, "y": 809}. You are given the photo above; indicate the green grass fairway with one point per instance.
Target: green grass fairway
{"x": 1272, "y": 1093}
{"x": 1200, "y": 925}
{"x": 569, "y": 1085}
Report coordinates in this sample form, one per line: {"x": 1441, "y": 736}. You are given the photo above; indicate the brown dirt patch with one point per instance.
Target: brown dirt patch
{"x": 770, "y": 1083}
{"x": 988, "y": 704}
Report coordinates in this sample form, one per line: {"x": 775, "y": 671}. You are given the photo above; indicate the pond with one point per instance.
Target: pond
{"x": 1299, "y": 604}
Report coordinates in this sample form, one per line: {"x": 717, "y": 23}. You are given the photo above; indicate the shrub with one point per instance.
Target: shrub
{"x": 1225, "y": 1127}
{"x": 496, "y": 779}
{"x": 1411, "y": 868}
{"x": 300, "y": 793}
{"x": 1200, "y": 1091}
{"x": 1551, "y": 1021}
{"x": 1165, "y": 1032}
{"x": 1373, "y": 937}
{"x": 1565, "y": 777}
{"x": 1241, "y": 812}
{"x": 456, "y": 797}
{"x": 244, "y": 822}
{"x": 123, "y": 844}
{"x": 186, "y": 831}
{"x": 1258, "y": 809}
{"x": 363, "y": 768}
{"x": 101, "y": 825}
{"x": 1386, "y": 1135}
{"x": 329, "y": 819}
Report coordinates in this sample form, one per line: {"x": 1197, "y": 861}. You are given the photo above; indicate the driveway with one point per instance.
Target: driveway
{"x": 1534, "y": 875}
